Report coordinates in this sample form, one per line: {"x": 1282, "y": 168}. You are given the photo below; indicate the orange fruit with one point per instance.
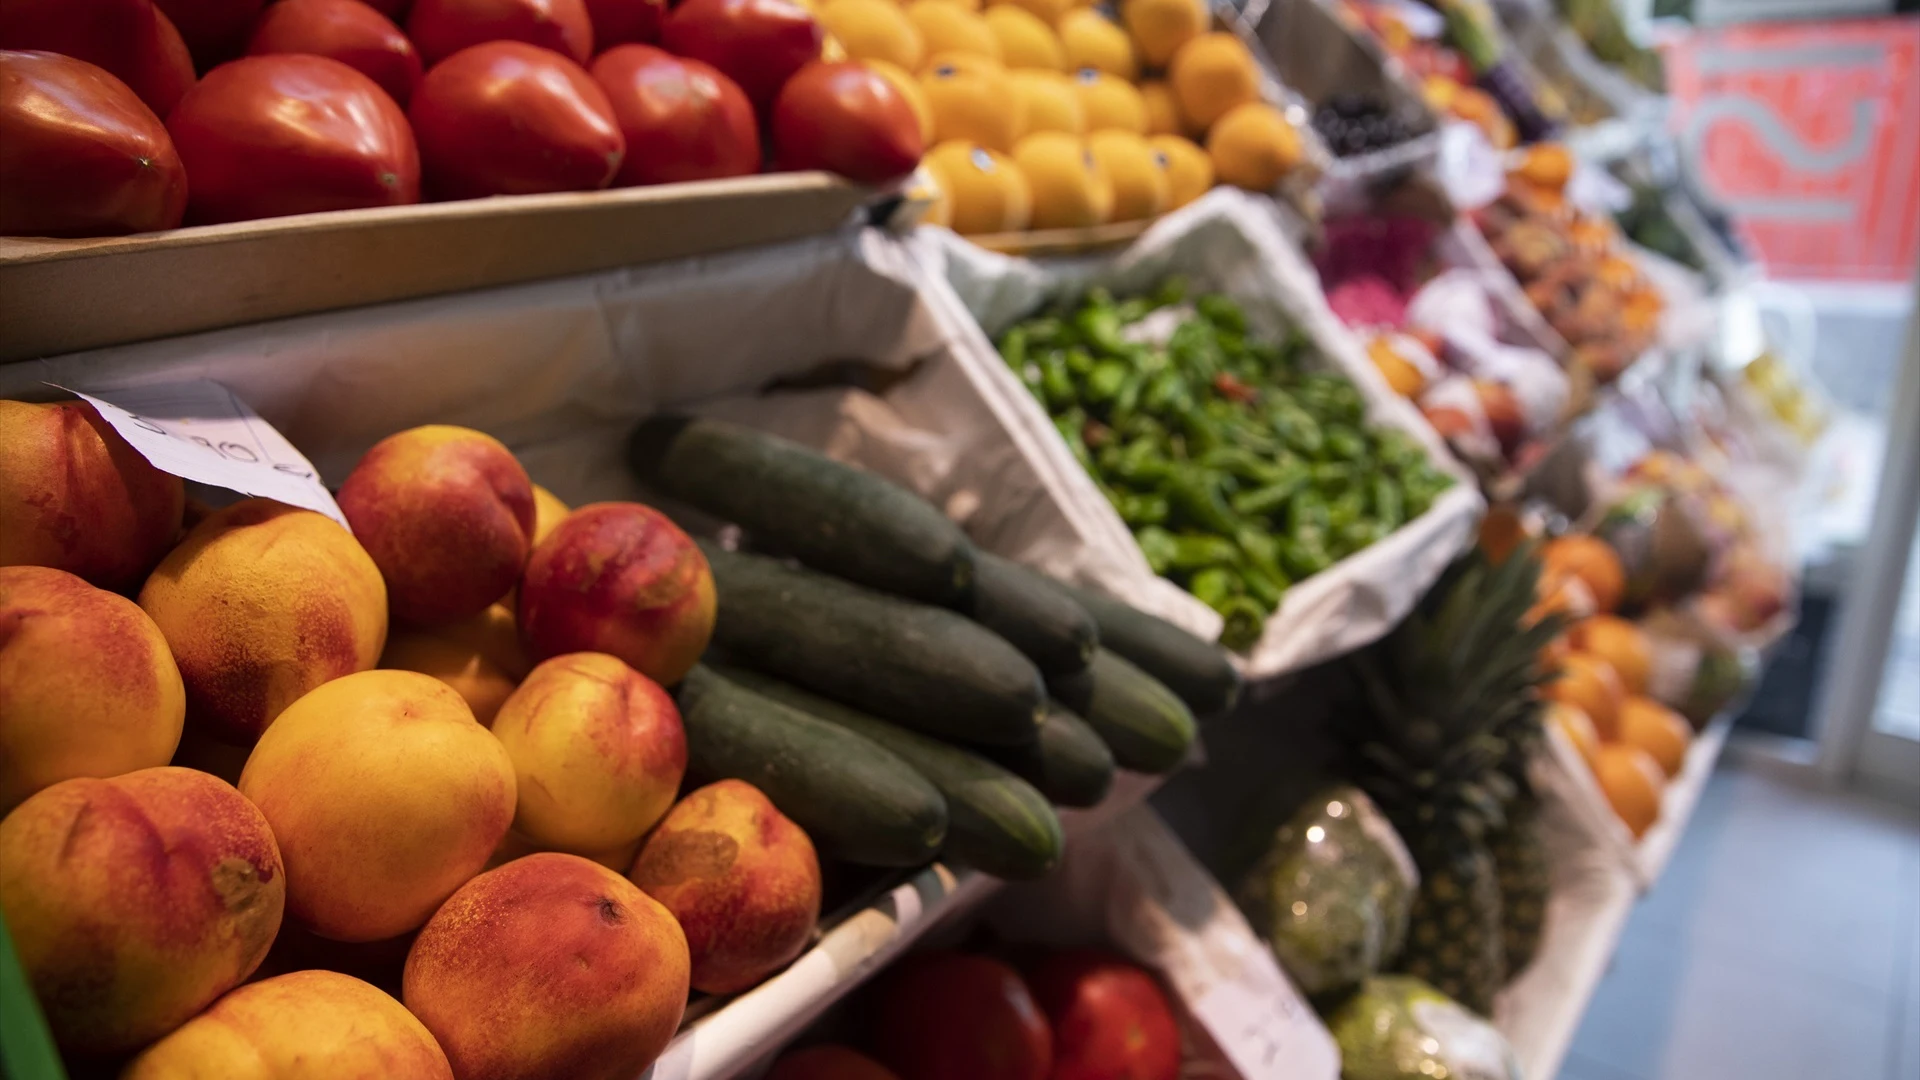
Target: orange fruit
{"x": 1253, "y": 146}
{"x": 1578, "y": 728}
{"x": 1163, "y": 113}
{"x": 1211, "y": 74}
{"x": 1141, "y": 187}
{"x": 1091, "y": 40}
{"x": 1502, "y": 530}
{"x": 1633, "y": 783}
{"x": 1658, "y": 730}
{"x": 948, "y": 27}
{"x": 1070, "y": 189}
{"x": 1109, "y": 101}
{"x": 873, "y": 30}
{"x": 1160, "y": 27}
{"x": 1189, "y": 169}
{"x": 1588, "y": 683}
{"x": 1547, "y": 165}
{"x": 1592, "y": 561}
{"x": 985, "y": 191}
{"x": 1025, "y": 41}
{"x": 1621, "y": 644}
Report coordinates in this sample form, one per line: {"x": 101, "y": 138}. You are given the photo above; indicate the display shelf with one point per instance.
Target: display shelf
{"x": 1683, "y": 797}
{"x": 725, "y": 1041}
{"x": 52, "y": 292}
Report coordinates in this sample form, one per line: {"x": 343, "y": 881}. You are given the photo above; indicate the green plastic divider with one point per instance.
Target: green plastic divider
{"x": 26, "y": 1047}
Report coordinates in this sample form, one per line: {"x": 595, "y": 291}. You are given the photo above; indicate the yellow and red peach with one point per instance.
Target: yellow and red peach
{"x": 385, "y": 795}
{"x": 135, "y": 901}
{"x": 548, "y": 511}
{"x": 742, "y": 880}
{"x": 479, "y": 657}
{"x": 261, "y": 603}
{"x": 90, "y": 687}
{"x": 598, "y": 753}
{"x": 447, "y": 514}
{"x": 549, "y": 966}
{"x": 307, "y": 1025}
{"x": 76, "y": 496}
{"x": 619, "y": 578}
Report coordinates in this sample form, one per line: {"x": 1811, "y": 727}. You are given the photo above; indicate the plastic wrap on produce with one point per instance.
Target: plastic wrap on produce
{"x": 1134, "y": 888}
{"x": 561, "y": 370}
{"x": 1227, "y": 242}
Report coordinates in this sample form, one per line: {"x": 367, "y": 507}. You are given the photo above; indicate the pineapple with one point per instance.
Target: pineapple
{"x": 1520, "y": 861}
{"x": 1445, "y": 692}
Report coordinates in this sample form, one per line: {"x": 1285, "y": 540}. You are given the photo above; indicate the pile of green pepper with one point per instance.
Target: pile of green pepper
{"x": 1238, "y": 472}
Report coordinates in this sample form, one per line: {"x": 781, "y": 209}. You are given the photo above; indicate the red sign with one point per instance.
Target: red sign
{"x": 1810, "y": 134}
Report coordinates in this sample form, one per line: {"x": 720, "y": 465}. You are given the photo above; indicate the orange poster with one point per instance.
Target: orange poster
{"x": 1809, "y": 133}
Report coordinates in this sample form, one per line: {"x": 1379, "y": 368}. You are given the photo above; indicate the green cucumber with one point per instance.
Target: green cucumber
{"x": 833, "y": 517}
{"x": 1146, "y": 725}
{"x": 857, "y": 801}
{"x": 996, "y": 822}
{"x": 1068, "y": 762}
{"x": 918, "y": 665}
{"x": 1199, "y": 671}
{"x": 1033, "y": 613}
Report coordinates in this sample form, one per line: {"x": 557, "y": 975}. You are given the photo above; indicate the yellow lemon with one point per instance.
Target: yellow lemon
{"x": 1159, "y": 27}
{"x": 909, "y": 88}
{"x": 1140, "y": 187}
{"x": 1189, "y": 170}
{"x": 1047, "y": 11}
{"x": 949, "y": 27}
{"x": 1110, "y": 102}
{"x": 1253, "y": 146}
{"x": 1051, "y": 103}
{"x": 1210, "y": 75}
{"x": 973, "y": 103}
{"x": 1070, "y": 189}
{"x": 873, "y": 30}
{"x": 1025, "y": 41}
{"x": 1092, "y": 41}
{"x": 1163, "y": 115}
{"x": 985, "y": 192}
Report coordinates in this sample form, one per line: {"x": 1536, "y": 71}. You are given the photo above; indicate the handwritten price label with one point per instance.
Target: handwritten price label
{"x": 201, "y": 431}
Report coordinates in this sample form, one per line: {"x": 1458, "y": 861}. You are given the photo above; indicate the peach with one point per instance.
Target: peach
{"x": 549, "y": 966}
{"x": 90, "y": 688}
{"x": 447, "y": 514}
{"x": 385, "y": 794}
{"x": 261, "y": 603}
{"x": 548, "y": 511}
{"x": 742, "y": 880}
{"x": 619, "y": 578}
{"x": 135, "y": 901}
{"x": 598, "y": 753}
{"x": 479, "y": 657}
{"x": 307, "y": 1025}
{"x": 76, "y": 496}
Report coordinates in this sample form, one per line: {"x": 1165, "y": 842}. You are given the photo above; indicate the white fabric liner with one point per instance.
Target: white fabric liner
{"x": 1231, "y": 243}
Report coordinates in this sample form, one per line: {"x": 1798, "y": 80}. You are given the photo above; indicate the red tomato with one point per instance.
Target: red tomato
{"x": 215, "y": 30}
{"x": 129, "y": 38}
{"x": 756, "y": 43}
{"x": 845, "y": 118}
{"x": 506, "y": 118}
{"x": 440, "y": 28}
{"x": 264, "y": 136}
{"x": 346, "y": 30}
{"x": 682, "y": 119}
{"x": 828, "y": 1062}
{"x": 1110, "y": 1019}
{"x": 950, "y": 1016}
{"x": 625, "y": 22}
{"x": 80, "y": 153}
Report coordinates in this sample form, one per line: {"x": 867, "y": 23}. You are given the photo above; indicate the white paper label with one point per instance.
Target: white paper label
{"x": 201, "y": 431}
{"x": 1468, "y": 167}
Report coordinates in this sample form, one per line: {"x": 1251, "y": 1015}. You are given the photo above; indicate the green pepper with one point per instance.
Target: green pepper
{"x": 1202, "y": 433}
{"x": 1056, "y": 384}
{"x": 1264, "y": 588}
{"x": 1013, "y": 348}
{"x": 1132, "y": 310}
{"x": 1141, "y": 461}
{"x": 1243, "y": 620}
{"x": 1389, "y": 509}
{"x": 1262, "y": 554}
{"x": 1361, "y": 534}
{"x": 1304, "y": 554}
{"x": 1263, "y": 501}
{"x": 1158, "y": 545}
{"x": 1105, "y": 381}
{"x": 1100, "y": 326}
{"x": 1128, "y": 399}
{"x": 1295, "y": 426}
{"x": 1070, "y": 425}
{"x": 1222, "y": 313}
{"x": 1139, "y": 509}
{"x": 1306, "y": 511}
{"x": 1345, "y": 509}
{"x": 1171, "y": 291}
{"x": 1344, "y": 443}
{"x": 1330, "y": 477}
{"x": 1195, "y": 495}
{"x": 1166, "y": 392}
{"x": 1213, "y": 586}
{"x": 1079, "y": 362}
{"x": 1197, "y": 551}
{"x": 1243, "y": 465}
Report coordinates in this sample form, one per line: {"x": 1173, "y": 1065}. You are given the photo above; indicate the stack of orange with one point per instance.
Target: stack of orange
{"x": 1634, "y": 744}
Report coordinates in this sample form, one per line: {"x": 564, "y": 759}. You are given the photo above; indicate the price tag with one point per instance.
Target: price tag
{"x": 201, "y": 431}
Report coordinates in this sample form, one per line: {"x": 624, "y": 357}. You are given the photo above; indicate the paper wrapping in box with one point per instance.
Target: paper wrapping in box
{"x": 561, "y": 370}
{"x": 1135, "y": 889}
{"x": 1231, "y": 243}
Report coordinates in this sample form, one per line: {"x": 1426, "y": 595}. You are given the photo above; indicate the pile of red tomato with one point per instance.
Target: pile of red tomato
{"x": 300, "y": 106}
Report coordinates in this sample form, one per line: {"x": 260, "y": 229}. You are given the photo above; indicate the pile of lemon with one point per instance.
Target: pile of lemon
{"x": 1047, "y": 114}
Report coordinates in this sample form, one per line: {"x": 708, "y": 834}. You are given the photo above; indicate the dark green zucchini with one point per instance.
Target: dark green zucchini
{"x": 1033, "y": 612}
{"x": 1146, "y": 725}
{"x": 1199, "y": 671}
{"x": 833, "y": 517}
{"x": 996, "y": 822}
{"x": 921, "y": 666}
{"x": 857, "y": 801}
{"x": 1068, "y": 762}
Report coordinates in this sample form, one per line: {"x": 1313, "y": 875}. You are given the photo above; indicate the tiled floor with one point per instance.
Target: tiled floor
{"x": 1782, "y": 944}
